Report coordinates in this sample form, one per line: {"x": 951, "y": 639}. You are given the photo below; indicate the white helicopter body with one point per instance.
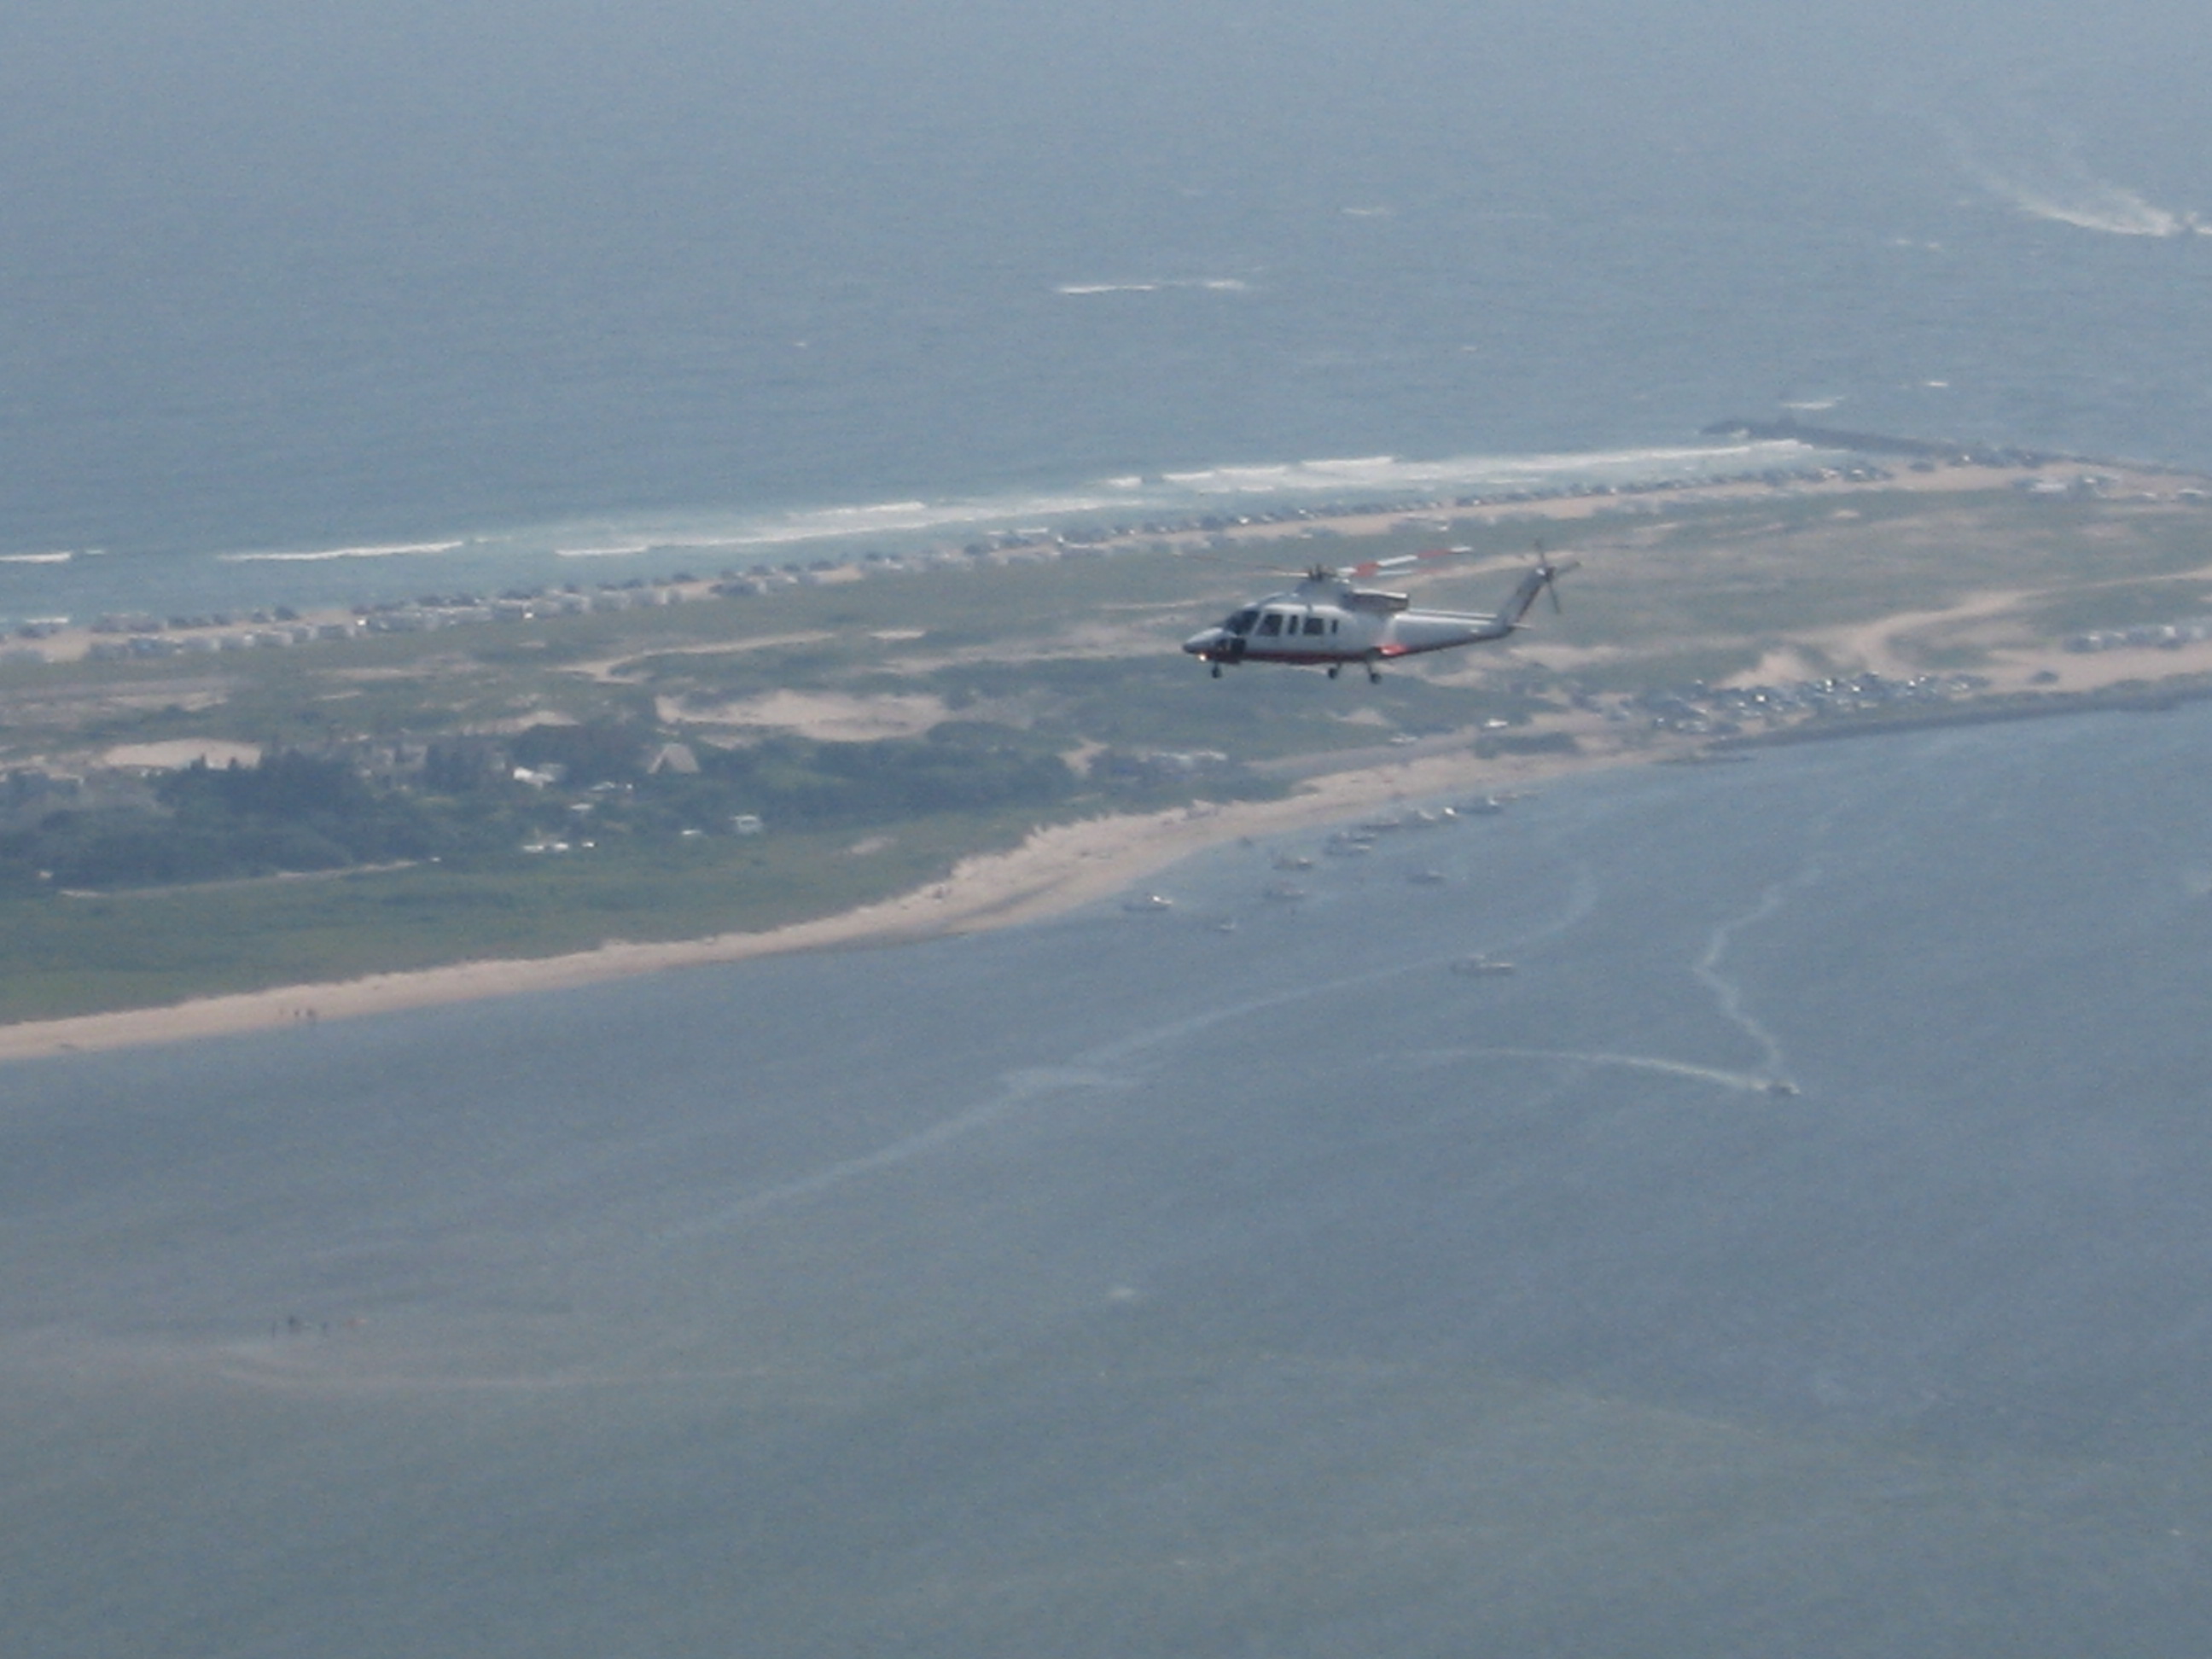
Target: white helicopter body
{"x": 1328, "y": 621}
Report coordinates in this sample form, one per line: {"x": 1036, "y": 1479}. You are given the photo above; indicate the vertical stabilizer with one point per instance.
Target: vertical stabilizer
{"x": 1523, "y": 596}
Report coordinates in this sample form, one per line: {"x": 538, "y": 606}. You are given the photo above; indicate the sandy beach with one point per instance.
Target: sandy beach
{"x": 1070, "y": 865}
{"x": 1056, "y": 869}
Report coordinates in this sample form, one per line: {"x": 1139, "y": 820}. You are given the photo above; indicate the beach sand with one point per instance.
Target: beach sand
{"x": 1056, "y": 869}
{"x": 1070, "y": 865}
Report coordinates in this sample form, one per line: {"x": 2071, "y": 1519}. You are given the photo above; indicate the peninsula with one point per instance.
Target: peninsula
{"x": 445, "y": 801}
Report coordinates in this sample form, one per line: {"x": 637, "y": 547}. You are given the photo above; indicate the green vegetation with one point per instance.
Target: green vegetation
{"x": 205, "y": 889}
{"x": 64, "y": 954}
{"x": 521, "y": 788}
{"x": 291, "y": 812}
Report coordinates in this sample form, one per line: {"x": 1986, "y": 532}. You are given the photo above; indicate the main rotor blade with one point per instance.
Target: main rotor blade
{"x": 1406, "y": 561}
{"x": 1245, "y": 564}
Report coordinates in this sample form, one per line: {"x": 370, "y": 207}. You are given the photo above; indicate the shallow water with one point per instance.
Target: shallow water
{"x": 1125, "y": 1283}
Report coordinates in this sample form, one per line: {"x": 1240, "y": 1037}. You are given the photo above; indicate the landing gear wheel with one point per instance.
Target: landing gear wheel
{"x": 1217, "y": 670}
{"x": 1374, "y": 675}
{"x": 1335, "y": 668}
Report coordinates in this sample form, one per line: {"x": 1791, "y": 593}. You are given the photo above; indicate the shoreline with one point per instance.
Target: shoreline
{"x": 1063, "y": 866}
{"x": 1066, "y": 866}
{"x": 204, "y": 644}
{"x": 1054, "y": 870}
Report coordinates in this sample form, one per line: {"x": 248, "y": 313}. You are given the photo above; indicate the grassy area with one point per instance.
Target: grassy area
{"x": 2124, "y": 604}
{"x": 1075, "y": 658}
{"x": 61, "y": 954}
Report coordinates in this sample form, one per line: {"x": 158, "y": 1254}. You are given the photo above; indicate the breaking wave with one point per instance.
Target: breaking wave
{"x": 709, "y": 539}
{"x": 1379, "y": 481}
{"x": 388, "y": 550}
{"x": 1392, "y": 474}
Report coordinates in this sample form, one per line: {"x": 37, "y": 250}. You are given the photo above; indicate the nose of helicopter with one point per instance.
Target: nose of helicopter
{"x": 1200, "y": 643}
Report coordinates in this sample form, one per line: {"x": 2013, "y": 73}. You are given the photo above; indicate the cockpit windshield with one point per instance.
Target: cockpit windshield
{"x": 1241, "y": 624}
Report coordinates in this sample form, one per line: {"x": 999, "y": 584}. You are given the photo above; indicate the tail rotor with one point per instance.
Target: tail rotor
{"x": 1542, "y": 578}
{"x": 1551, "y": 573}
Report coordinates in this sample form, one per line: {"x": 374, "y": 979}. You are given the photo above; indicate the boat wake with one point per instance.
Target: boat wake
{"x": 1110, "y": 1067}
{"x": 2042, "y": 173}
{"x": 1020, "y": 1089}
{"x": 2089, "y": 204}
{"x": 1740, "y": 1082}
{"x": 1726, "y": 992}
{"x": 1159, "y": 285}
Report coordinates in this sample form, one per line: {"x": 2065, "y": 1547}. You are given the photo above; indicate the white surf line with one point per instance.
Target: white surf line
{"x": 1021, "y": 1088}
{"x": 1743, "y": 1082}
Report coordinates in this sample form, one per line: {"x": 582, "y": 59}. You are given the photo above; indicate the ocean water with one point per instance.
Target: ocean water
{"x": 1124, "y": 1283}
{"x": 450, "y": 292}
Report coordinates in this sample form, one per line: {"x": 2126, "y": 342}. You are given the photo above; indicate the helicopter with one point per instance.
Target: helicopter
{"x": 1327, "y": 620}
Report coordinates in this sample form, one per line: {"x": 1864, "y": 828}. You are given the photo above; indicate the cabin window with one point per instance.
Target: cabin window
{"x": 1314, "y": 625}
{"x": 1242, "y": 622}
{"x": 1271, "y": 623}
{"x": 1332, "y": 624}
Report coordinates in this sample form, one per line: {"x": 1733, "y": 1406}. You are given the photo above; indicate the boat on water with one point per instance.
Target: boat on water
{"x": 1481, "y": 968}
{"x": 1148, "y": 902}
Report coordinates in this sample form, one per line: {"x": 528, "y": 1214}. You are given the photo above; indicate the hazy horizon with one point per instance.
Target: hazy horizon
{"x": 376, "y": 272}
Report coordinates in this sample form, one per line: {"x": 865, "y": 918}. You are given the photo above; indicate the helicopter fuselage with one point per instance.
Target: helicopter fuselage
{"x": 1324, "y": 623}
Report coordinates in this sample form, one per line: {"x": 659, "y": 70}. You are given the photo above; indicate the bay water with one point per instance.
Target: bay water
{"x": 1801, "y": 1248}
